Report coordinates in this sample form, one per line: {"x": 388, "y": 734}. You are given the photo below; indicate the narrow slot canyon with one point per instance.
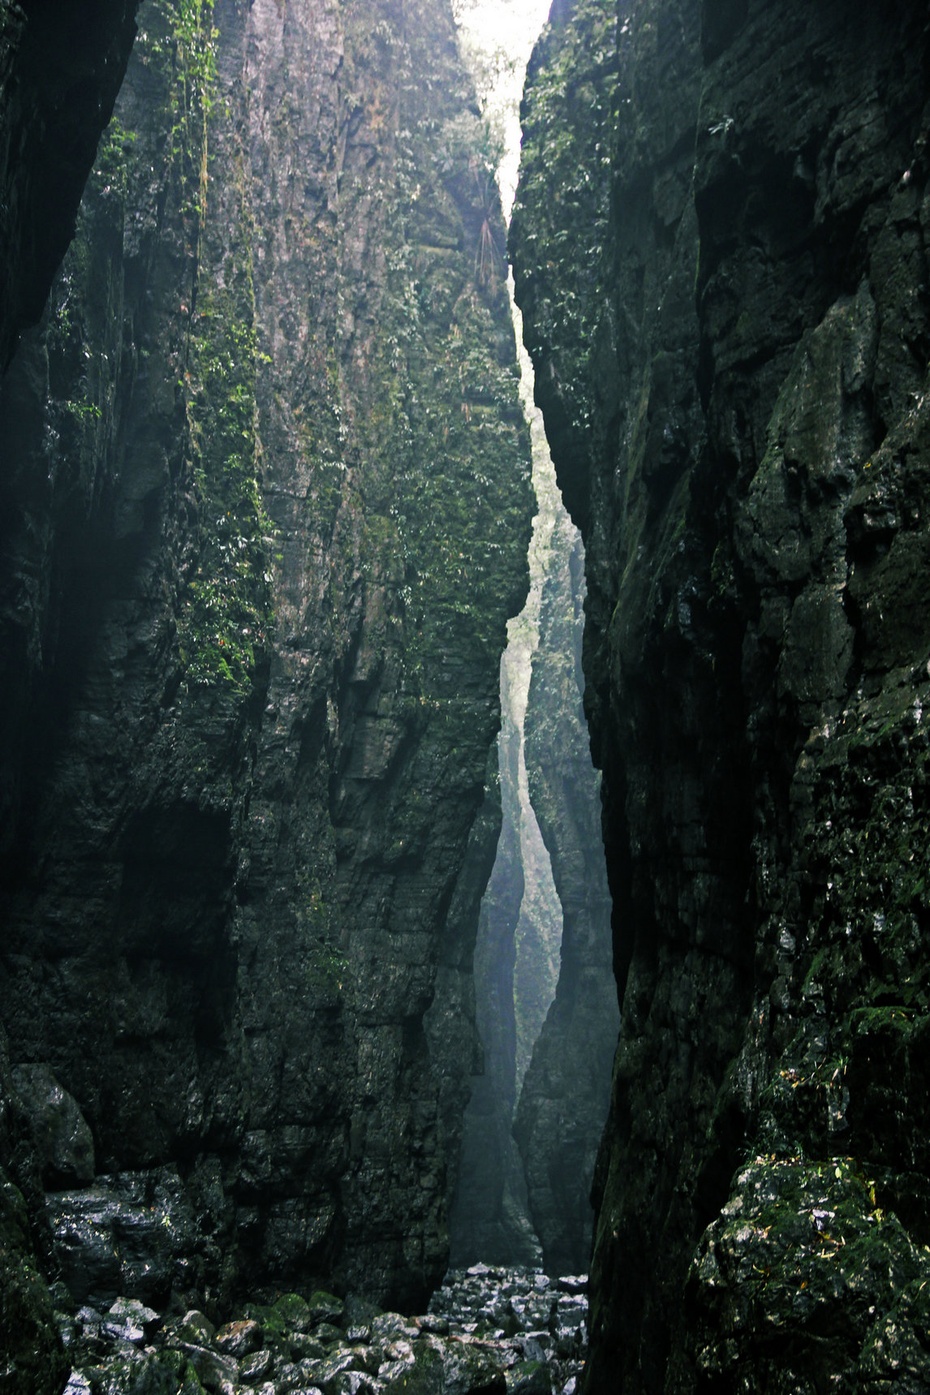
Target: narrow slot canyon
{"x": 464, "y": 692}
{"x": 542, "y": 955}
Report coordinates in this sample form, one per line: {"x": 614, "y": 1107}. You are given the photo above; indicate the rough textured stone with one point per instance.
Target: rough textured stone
{"x": 60, "y": 71}
{"x": 239, "y": 1338}
{"x": 489, "y": 1220}
{"x": 444, "y": 1350}
{"x": 63, "y": 1140}
{"x": 32, "y": 1360}
{"x": 731, "y": 356}
{"x": 265, "y": 505}
{"x": 134, "y": 1233}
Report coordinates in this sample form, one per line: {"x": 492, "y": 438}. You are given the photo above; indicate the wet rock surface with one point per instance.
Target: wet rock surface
{"x": 265, "y": 504}
{"x": 731, "y": 355}
{"x": 60, "y": 72}
{"x": 488, "y": 1331}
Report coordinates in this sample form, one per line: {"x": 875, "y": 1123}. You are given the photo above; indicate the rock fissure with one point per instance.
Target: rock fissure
{"x": 546, "y": 1009}
{"x": 264, "y": 502}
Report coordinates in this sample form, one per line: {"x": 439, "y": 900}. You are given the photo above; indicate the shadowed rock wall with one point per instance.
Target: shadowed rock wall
{"x": 60, "y": 71}
{"x": 265, "y": 511}
{"x": 731, "y": 352}
{"x": 59, "y": 75}
{"x": 489, "y": 1220}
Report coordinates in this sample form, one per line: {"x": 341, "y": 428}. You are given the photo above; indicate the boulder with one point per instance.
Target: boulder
{"x": 64, "y": 1142}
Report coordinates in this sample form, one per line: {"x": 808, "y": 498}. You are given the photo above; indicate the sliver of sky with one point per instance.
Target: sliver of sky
{"x": 498, "y": 36}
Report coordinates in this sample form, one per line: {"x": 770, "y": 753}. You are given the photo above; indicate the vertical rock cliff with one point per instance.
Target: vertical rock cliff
{"x": 721, "y": 248}
{"x": 265, "y": 512}
{"x": 60, "y": 71}
{"x": 537, "y": 929}
{"x": 490, "y": 1223}
{"x": 59, "y": 76}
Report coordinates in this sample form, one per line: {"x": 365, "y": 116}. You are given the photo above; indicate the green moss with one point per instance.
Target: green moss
{"x": 561, "y": 211}
{"x": 441, "y": 502}
{"x": 226, "y": 608}
{"x": 33, "y": 1360}
{"x": 271, "y": 1318}
{"x": 326, "y": 969}
{"x": 803, "y": 1248}
{"x": 156, "y": 1373}
{"x": 179, "y": 39}
{"x": 423, "y": 1377}
{"x": 294, "y": 1310}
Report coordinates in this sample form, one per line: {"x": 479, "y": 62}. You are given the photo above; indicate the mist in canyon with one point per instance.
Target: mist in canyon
{"x": 318, "y": 923}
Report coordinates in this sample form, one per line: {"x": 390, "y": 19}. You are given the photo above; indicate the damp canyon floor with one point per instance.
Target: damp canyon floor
{"x": 489, "y": 1330}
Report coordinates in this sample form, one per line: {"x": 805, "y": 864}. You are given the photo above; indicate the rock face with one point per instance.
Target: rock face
{"x": 59, "y": 75}
{"x": 60, "y": 72}
{"x": 731, "y": 353}
{"x": 546, "y": 1005}
{"x": 265, "y": 510}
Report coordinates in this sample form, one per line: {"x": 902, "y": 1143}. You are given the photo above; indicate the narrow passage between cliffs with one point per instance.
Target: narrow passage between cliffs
{"x": 532, "y": 1126}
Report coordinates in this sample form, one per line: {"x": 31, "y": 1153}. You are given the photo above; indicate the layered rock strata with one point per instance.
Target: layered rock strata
{"x": 265, "y": 511}
{"x": 721, "y": 247}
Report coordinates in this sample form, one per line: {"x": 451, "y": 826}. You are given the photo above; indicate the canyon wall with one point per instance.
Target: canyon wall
{"x": 266, "y": 501}
{"x": 721, "y": 256}
{"x": 545, "y": 996}
{"x": 59, "y": 76}
{"x": 60, "y": 71}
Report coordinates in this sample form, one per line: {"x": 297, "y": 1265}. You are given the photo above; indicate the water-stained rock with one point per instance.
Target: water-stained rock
{"x": 264, "y": 517}
{"x": 731, "y": 358}
{"x": 132, "y": 1234}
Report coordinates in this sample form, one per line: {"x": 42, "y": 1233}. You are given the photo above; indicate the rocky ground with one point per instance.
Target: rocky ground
{"x": 489, "y": 1331}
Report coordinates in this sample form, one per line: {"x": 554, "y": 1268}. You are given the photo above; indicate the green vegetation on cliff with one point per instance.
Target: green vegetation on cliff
{"x": 559, "y": 226}
{"x": 267, "y": 518}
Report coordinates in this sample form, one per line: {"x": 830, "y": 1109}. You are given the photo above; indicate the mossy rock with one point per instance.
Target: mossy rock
{"x": 451, "y": 1367}
{"x": 424, "y": 1377}
{"x": 271, "y": 1320}
{"x": 529, "y": 1378}
{"x": 802, "y": 1249}
{"x": 156, "y": 1373}
{"x": 295, "y": 1313}
{"x": 32, "y": 1359}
